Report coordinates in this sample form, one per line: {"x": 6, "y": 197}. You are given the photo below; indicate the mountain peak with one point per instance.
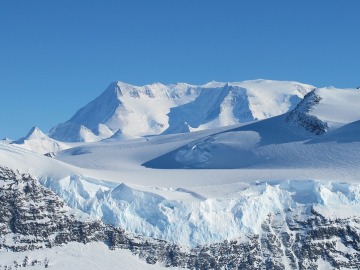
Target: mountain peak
{"x": 34, "y": 133}
{"x": 39, "y": 142}
{"x": 114, "y": 89}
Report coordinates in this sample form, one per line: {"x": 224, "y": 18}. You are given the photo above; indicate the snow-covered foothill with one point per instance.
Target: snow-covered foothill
{"x": 40, "y": 143}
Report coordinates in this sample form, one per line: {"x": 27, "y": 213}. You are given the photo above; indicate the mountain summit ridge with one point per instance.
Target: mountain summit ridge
{"x": 157, "y": 108}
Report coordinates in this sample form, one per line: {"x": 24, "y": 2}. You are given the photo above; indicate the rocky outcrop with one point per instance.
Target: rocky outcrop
{"x": 34, "y": 217}
{"x": 300, "y": 115}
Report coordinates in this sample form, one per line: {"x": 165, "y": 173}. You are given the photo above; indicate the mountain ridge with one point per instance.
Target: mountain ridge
{"x": 166, "y": 109}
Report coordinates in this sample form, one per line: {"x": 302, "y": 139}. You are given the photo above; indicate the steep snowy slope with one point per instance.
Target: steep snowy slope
{"x": 38, "y": 142}
{"x": 131, "y": 109}
{"x": 157, "y": 108}
{"x": 232, "y": 103}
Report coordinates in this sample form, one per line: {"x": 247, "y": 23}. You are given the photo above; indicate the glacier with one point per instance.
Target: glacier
{"x": 204, "y": 220}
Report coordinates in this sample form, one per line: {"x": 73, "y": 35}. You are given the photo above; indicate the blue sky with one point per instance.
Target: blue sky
{"x": 56, "y": 56}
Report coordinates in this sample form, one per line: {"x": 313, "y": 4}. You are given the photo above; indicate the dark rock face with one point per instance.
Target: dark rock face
{"x": 36, "y": 218}
{"x": 299, "y": 116}
{"x": 33, "y": 217}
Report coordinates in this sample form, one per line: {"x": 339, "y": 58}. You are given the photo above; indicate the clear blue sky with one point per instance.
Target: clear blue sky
{"x": 56, "y": 56}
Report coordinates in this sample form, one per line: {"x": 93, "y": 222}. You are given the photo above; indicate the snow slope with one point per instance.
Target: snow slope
{"x": 92, "y": 256}
{"x": 286, "y": 141}
{"x": 157, "y": 108}
{"x": 19, "y": 159}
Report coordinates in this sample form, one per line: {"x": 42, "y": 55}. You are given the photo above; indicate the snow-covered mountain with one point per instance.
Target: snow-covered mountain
{"x": 157, "y": 108}
{"x": 276, "y": 193}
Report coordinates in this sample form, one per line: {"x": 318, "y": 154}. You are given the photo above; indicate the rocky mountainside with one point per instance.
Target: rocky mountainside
{"x": 300, "y": 116}
{"x": 33, "y": 217}
{"x": 326, "y": 109}
{"x": 157, "y": 108}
